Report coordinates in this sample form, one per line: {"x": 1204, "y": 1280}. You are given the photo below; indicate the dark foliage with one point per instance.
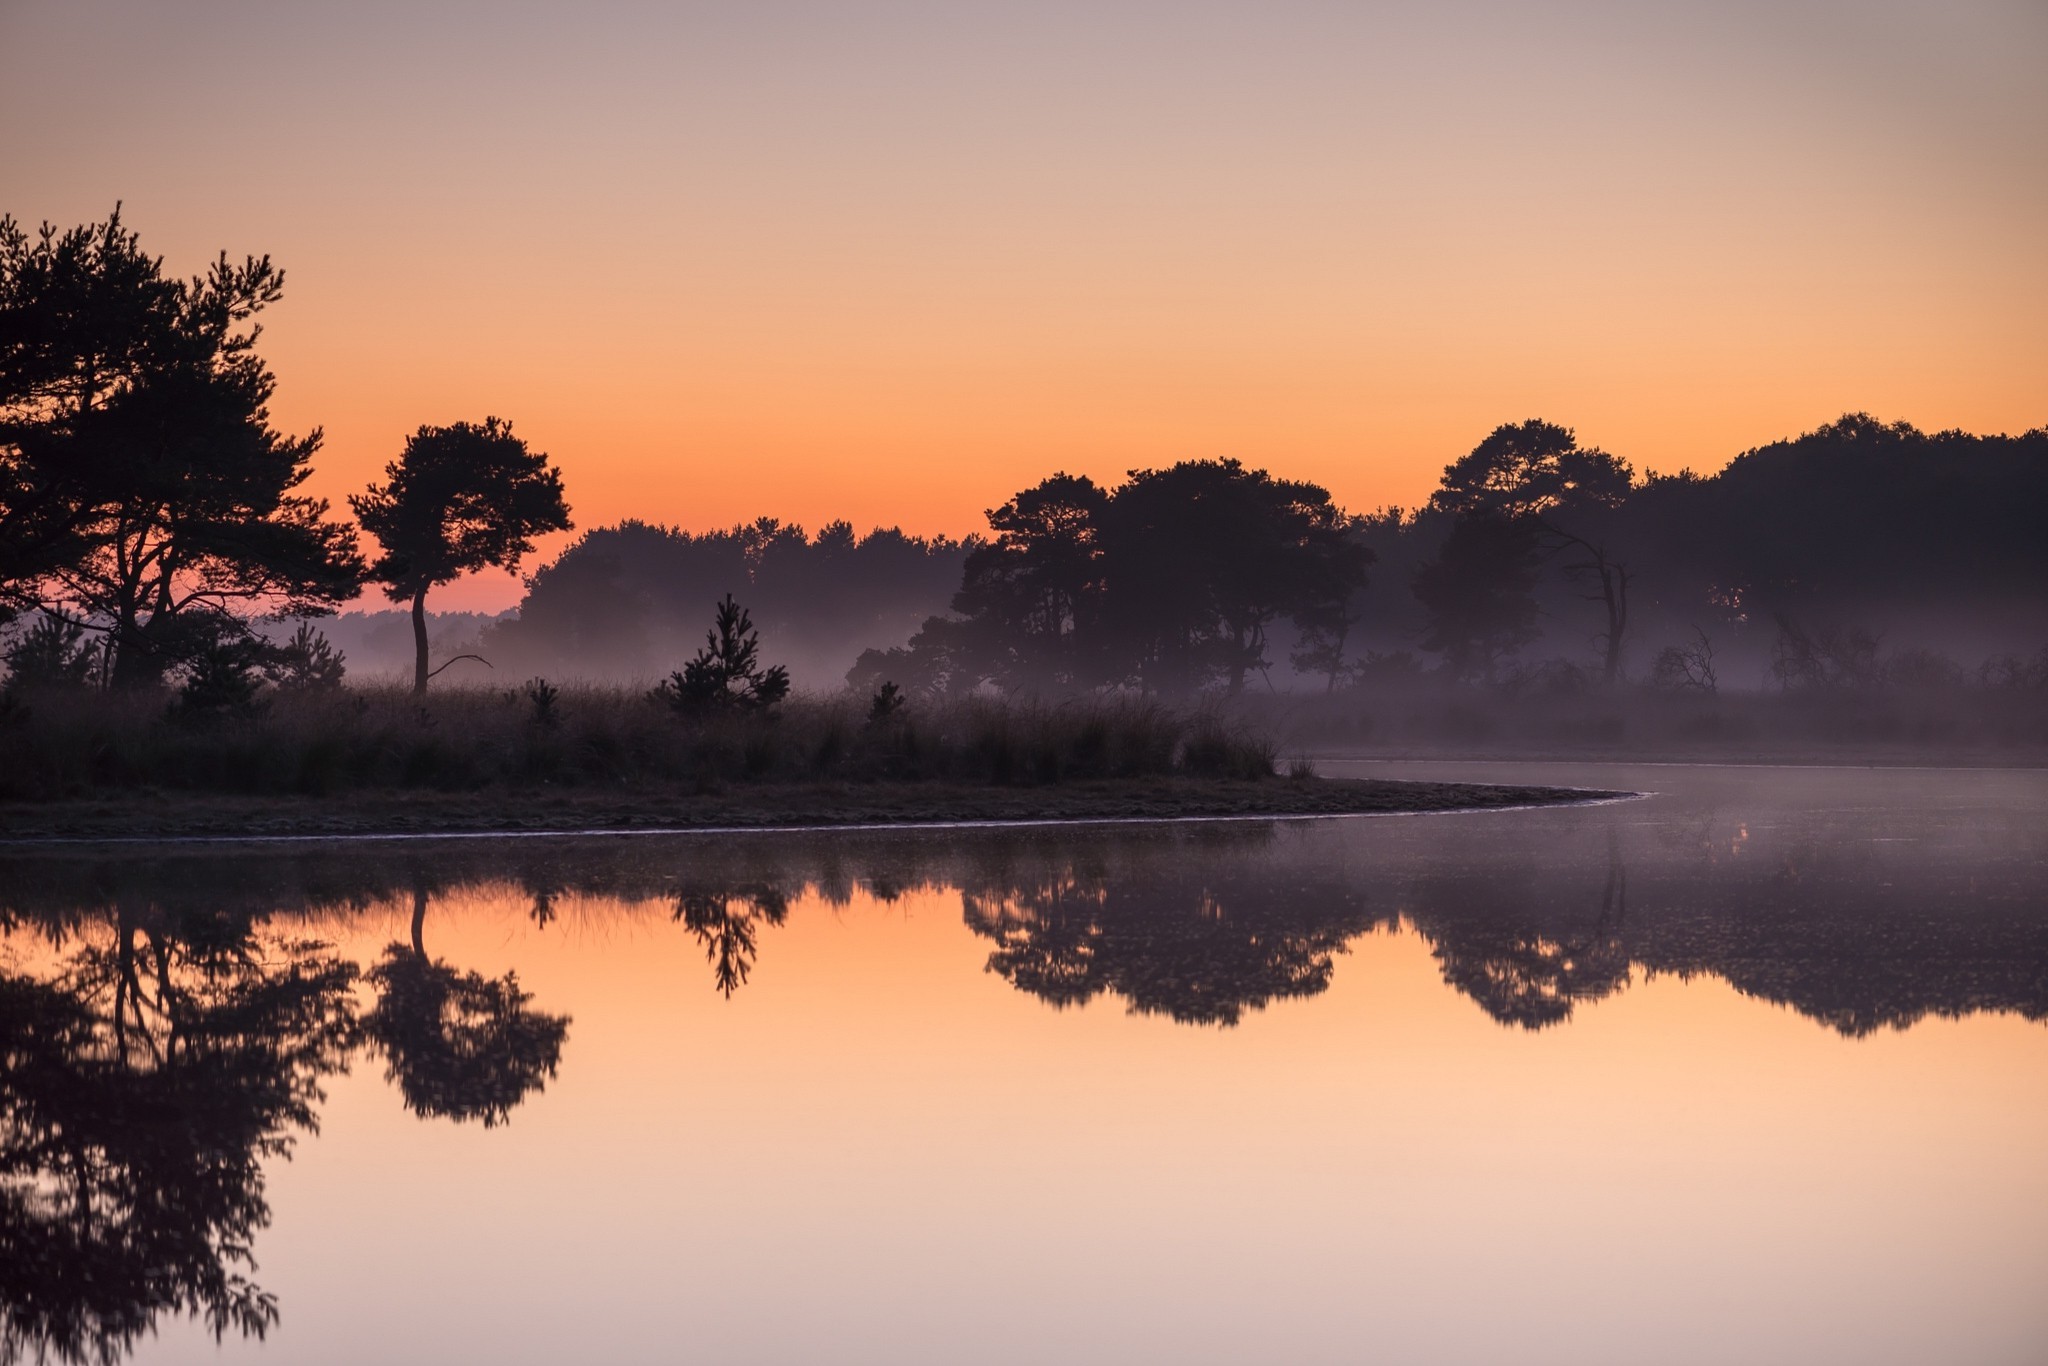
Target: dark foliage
{"x": 1170, "y": 583}
{"x": 52, "y": 653}
{"x": 222, "y": 678}
{"x": 459, "y": 1045}
{"x": 1923, "y": 541}
{"x": 142, "y": 1088}
{"x": 1479, "y": 593}
{"x": 307, "y": 662}
{"x": 458, "y": 498}
{"x": 885, "y": 704}
{"x": 726, "y": 673}
{"x": 140, "y": 480}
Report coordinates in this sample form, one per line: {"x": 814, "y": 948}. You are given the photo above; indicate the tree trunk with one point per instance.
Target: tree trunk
{"x": 419, "y": 641}
{"x": 1614, "y": 587}
{"x": 419, "y": 922}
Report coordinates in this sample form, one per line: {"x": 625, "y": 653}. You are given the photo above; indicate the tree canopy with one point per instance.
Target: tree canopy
{"x": 458, "y": 498}
{"x": 1169, "y": 582}
{"x": 143, "y": 492}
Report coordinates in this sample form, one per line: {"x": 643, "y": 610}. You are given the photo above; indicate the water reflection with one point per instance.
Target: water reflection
{"x": 1200, "y": 924}
{"x": 1200, "y": 940}
{"x": 144, "y": 1078}
{"x": 727, "y": 920}
{"x": 157, "y": 1053}
{"x": 459, "y": 1045}
{"x": 167, "y": 1019}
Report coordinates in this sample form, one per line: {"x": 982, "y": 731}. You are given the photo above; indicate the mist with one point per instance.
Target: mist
{"x": 1866, "y": 584}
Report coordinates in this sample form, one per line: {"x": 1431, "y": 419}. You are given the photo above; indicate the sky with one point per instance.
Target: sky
{"x": 891, "y": 262}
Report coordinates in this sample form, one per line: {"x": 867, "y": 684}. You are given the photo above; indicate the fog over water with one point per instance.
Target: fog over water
{"x": 1758, "y": 1057}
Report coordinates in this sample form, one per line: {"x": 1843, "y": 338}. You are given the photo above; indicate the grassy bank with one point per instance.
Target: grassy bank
{"x": 384, "y": 761}
{"x": 348, "y": 741}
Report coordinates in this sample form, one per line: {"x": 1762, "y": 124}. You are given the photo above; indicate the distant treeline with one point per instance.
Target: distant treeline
{"x": 154, "y": 536}
{"x": 632, "y": 601}
{"x": 1857, "y": 555}
{"x": 1862, "y": 554}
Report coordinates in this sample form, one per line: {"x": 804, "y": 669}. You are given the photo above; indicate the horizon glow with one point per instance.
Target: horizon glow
{"x": 891, "y": 263}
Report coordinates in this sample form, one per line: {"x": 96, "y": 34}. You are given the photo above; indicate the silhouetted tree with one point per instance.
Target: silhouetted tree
{"x": 1537, "y": 471}
{"x": 306, "y": 663}
{"x": 84, "y": 315}
{"x": 140, "y": 480}
{"x": 1528, "y": 965}
{"x": 1686, "y": 668}
{"x": 1320, "y": 638}
{"x": 726, "y": 920}
{"x": 1036, "y": 585}
{"x": 457, "y": 499}
{"x": 1201, "y": 558}
{"x": 1478, "y": 594}
{"x": 50, "y": 654}
{"x": 1201, "y": 946}
{"x": 727, "y": 672}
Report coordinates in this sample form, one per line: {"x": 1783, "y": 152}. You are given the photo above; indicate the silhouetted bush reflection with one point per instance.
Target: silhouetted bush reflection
{"x": 727, "y": 921}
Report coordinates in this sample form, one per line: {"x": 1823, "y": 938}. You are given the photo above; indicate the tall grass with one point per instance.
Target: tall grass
{"x": 78, "y": 744}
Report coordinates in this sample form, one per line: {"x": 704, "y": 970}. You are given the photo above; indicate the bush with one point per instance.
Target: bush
{"x": 727, "y": 673}
{"x": 221, "y": 680}
{"x": 307, "y": 662}
{"x": 50, "y": 654}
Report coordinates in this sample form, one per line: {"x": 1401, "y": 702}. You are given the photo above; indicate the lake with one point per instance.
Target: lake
{"x": 1752, "y": 1068}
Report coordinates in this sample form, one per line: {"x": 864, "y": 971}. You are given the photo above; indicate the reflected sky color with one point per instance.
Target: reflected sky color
{"x": 892, "y": 262}
{"x": 878, "y": 1149}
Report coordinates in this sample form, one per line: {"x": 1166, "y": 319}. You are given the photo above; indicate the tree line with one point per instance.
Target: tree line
{"x": 625, "y": 601}
{"x": 152, "y": 517}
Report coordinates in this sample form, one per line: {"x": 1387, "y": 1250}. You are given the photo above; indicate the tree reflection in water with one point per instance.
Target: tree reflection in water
{"x": 1531, "y": 965}
{"x": 459, "y": 1045}
{"x": 1202, "y": 949}
{"x": 159, "y": 1058}
{"x": 171, "y": 1050}
{"x": 142, "y": 1086}
{"x": 727, "y": 921}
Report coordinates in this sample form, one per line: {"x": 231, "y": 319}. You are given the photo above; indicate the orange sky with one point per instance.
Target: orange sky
{"x": 891, "y": 262}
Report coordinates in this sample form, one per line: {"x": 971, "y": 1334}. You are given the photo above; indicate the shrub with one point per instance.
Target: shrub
{"x": 50, "y": 654}
{"x": 307, "y": 662}
{"x": 1686, "y": 668}
{"x": 221, "y": 680}
{"x": 726, "y": 673}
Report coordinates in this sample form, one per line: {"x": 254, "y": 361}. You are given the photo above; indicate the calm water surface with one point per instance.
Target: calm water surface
{"x": 1753, "y": 1070}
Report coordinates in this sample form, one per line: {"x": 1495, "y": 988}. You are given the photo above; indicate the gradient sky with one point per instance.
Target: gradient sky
{"x": 892, "y": 261}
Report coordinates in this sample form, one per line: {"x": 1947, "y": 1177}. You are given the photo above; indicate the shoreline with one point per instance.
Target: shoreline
{"x": 158, "y": 817}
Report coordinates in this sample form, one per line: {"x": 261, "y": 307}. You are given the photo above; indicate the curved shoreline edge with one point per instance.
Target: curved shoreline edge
{"x": 1536, "y": 798}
